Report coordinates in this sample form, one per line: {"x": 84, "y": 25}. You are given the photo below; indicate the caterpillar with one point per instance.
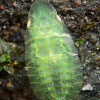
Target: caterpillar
{"x": 53, "y": 66}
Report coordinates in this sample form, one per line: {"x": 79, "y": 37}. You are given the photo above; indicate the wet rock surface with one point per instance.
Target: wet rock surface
{"x": 83, "y": 22}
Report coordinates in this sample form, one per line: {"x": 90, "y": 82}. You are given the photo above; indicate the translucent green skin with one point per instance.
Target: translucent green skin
{"x": 53, "y": 66}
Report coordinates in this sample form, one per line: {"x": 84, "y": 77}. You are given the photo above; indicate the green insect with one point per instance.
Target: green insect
{"x": 53, "y": 66}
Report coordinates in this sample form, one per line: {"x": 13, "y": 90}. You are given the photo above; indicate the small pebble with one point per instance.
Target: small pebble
{"x": 87, "y": 87}
{"x": 98, "y": 46}
{"x": 85, "y": 77}
{"x": 4, "y": 27}
{"x": 77, "y": 2}
{"x": 10, "y": 85}
{"x": 77, "y": 44}
{"x": 1, "y": 7}
{"x": 15, "y": 4}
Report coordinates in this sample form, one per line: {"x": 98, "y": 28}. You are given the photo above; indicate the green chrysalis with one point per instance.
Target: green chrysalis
{"x": 53, "y": 66}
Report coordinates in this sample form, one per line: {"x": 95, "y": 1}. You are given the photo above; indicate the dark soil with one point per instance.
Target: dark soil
{"x": 82, "y": 20}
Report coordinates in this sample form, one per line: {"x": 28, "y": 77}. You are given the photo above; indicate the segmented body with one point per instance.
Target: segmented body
{"x": 53, "y": 64}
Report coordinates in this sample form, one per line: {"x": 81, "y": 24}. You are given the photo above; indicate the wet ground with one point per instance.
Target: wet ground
{"x": 83, "y": 21}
